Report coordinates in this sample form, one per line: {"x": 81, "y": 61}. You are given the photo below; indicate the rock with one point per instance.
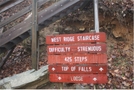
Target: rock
{"x": 41, "y": 40}
{"x": 116, "y": 33}
{"x": 1, "y": 30}
{"x": 25, "y": 78}
{"x": 80, "y": 86}
{"x": 81, "y": 29}
{"x": 55, "y": 33}
{"x": 126, "y": 83}
{"x": 18, "y": 54}
{"x": 126, "y": 48}
{"x": 68, "y": 28}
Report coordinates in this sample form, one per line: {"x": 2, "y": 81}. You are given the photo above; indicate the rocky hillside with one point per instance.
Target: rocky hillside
{"x": 115, "y": 19}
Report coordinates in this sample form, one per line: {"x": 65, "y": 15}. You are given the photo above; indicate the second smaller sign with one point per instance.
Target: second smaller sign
{"x": 85, "y": 68}
{"x": 78, "y": 78}
{"x": 79, "y": 48}
{"x": 79, "y": 58}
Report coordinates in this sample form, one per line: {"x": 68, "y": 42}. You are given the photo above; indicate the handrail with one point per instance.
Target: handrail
{"x": 45, "y": 17}
{"x": 3, "y": 2}
{"x": 11, "y": 5}
{"x": 21, "y": 13}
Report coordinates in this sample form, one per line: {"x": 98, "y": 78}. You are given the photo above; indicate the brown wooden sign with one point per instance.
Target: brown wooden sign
{"x": 76, "y": 38}
{"x": 79, "y": 78}
{"x": 79, "y": 68}
{"x": 78, "y": 58}
{"x": 81, "y": 48}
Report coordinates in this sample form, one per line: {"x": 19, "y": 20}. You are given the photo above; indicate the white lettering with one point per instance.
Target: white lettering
{"x": 56, "y": 39}
{"x": 80, "y": 59}
{"x": 89, "y": 48}
{"x": 67, "y": 49}
{"x": 85, "y": 69}
{"x": 91, "y": 37}
{"x": 51, "y": 49}
{"x": 68, "y": 59}
{"x": 59, "y": 49}
{"x": 73, "y": 68}
{"x": 77, "y": 78}
{"x": 68, "y": 39}
{"x": 65, "y": 68}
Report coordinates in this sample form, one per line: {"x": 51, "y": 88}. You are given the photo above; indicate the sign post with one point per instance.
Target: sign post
{"x": 96, "y": 18}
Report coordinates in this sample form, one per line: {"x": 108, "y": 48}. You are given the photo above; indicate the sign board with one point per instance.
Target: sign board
{"x": 81, "y": 48}
{"x": 79, "y": 68}
{"x": 76, "y": 38}
{"x": 79, "y": 78}
{"x": 78, "y": 58}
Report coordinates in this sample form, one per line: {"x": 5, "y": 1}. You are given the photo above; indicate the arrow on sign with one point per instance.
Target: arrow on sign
{"x": 101, "y": 69}
{"x": 95, "y": 79}
{"x": 59, "y": 78}
{"x": 79, "y": 78}
{"x": 53, "y": 69}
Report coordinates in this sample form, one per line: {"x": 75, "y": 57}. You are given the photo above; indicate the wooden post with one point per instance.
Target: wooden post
{"x": 35, "y": 45}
